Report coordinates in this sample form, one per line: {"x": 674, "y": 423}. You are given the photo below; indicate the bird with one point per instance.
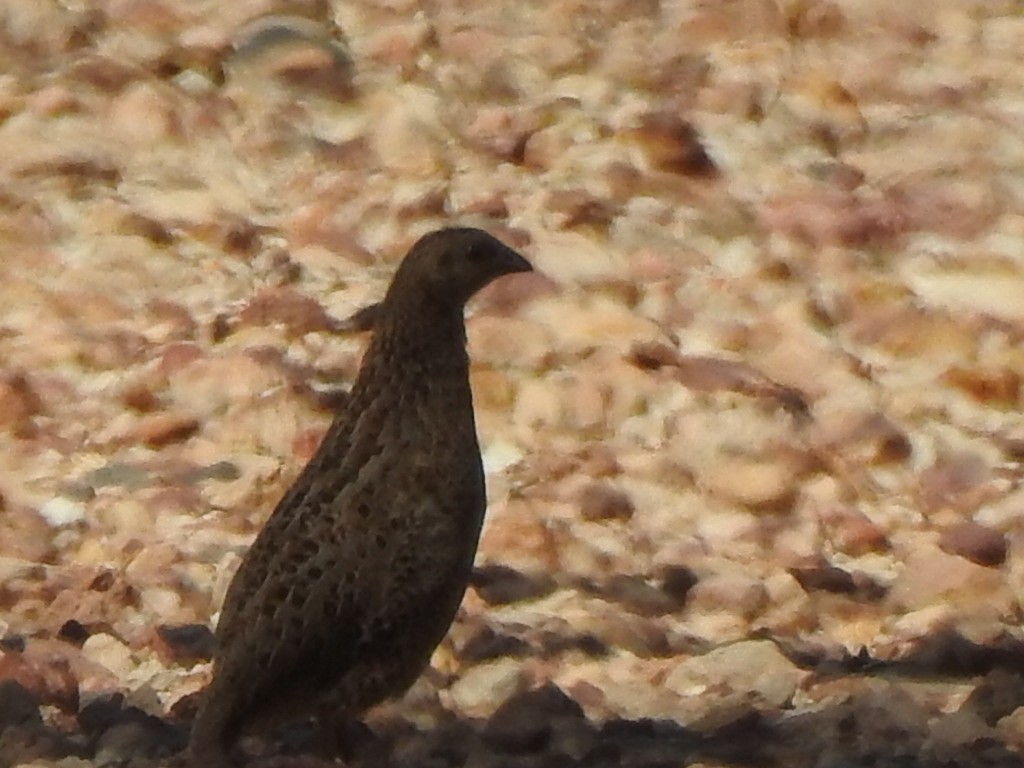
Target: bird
{"x": 360, "y": 569}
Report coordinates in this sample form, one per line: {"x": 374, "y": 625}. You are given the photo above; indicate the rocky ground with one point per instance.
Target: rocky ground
{"x": 752, "y": 430}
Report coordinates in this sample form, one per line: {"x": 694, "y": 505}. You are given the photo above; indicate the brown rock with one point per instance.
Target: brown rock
{"x": 956, "y": 480}
{"x": 240, "y": 235}
{"x": 676, "y": 581}
{"x": 706, "y": 23}
{"x": 711, "y": 374}
{"x": 670, "y": 143}
{"x": 499, "y": 584}
{"x": 822, "y": 576}
{"x": 816, "y": 19}
{"x": 488, "y": 644}
{"x": 161, "y": 429}
{"x": 184, "y": 644}
{"x": 18, "y": 705}
{"x": 635, "y": 594}
{"x": 139, "y": 396}
{"x": 28, "y": 540}
{"x": 49, "y": 679}
{"x": 19, "y": 402}
{"x": 977, "y": 543}
{"x": 578, "y": 207}
{"x": 524, "y": 722}
{"x": 1000, "y": 387}
{"x": 600, "y": 501}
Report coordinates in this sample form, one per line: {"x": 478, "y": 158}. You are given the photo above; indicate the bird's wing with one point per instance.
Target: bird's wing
{"x": 262, "y": 634}
{"x": 296, "y": 610}
{"x": 343, "y": 548}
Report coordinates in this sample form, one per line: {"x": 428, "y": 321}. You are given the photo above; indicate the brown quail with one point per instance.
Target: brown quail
{"x": 360, "y": 569}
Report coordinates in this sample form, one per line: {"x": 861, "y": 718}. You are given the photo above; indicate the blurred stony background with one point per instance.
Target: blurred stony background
{"x": 753, "y": 430}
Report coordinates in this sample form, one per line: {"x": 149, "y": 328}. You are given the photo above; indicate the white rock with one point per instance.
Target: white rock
{"x": 738, "y": 670}
{"x": 109, "y": 652}
{"x": 59, "y": 512}
{"x": 483, "y": 688}
{"x": 499, "y": 456}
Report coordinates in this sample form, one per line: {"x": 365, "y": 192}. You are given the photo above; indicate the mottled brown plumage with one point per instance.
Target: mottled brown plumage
{"x": 360, "y": 569}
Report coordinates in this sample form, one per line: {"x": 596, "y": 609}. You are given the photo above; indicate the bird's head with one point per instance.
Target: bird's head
{"x": 448, "y": 266}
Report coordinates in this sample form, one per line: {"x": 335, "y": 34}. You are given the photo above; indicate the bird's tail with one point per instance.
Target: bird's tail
{"x": 209, "y": 745}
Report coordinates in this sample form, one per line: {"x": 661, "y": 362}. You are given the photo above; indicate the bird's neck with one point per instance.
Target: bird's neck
{"x": 427, "y": 346}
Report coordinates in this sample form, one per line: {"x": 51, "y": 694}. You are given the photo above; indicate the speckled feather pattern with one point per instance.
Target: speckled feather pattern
{"x": 360, "y": 569}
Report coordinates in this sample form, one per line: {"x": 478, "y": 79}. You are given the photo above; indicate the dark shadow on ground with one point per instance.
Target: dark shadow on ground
{"x": 872, "y": 721}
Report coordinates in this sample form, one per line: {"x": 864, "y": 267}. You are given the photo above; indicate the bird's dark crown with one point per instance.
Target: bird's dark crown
{"x": 448, "y": 266}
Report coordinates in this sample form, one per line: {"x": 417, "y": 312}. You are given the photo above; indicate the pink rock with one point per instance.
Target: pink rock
{"x": 502, "y": 131}
{"x": 958, "y": 208}
{"x": 306, "y": 442}
{"x": 103, "y": 73}
{"x": 829, "y": 216}
{"x": 178, "y": 355}
{"x": 866, "y": 438}
{"x": 932, "y": 577}
{"x": 741, "y": 595}
{"x": 399, "y": 46}
{"x": 146, "y": 115}
{"x": 508, "y": 295}
{"x": 853, "y": 532}
{"x": 299, "y": 314}
{"x": 517, "y": 536}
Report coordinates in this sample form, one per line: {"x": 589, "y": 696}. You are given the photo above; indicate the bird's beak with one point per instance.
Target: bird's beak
{"x": 513, "y": 262}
